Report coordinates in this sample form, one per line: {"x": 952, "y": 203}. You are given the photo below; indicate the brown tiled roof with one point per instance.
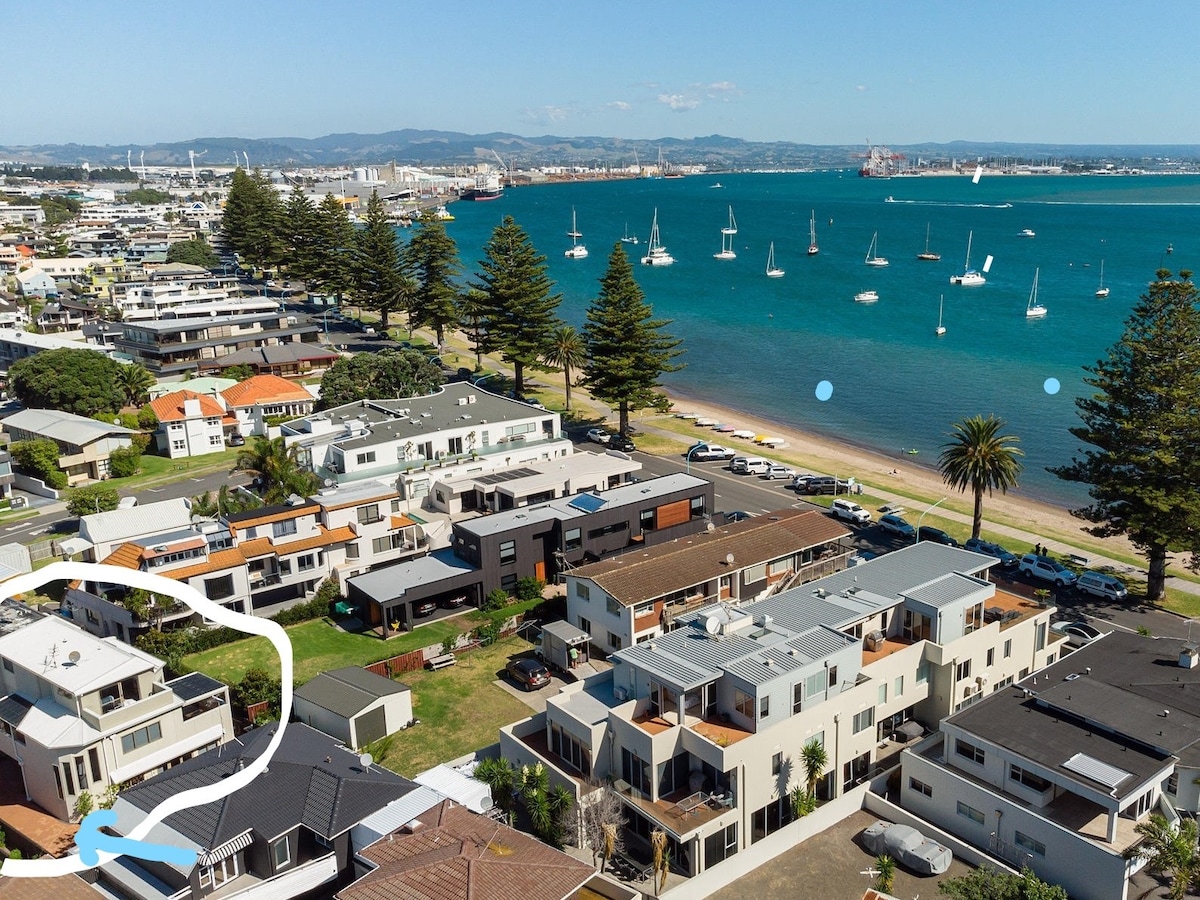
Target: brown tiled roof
{"x": 222, "y": 559}
{"x": 662, "y": 569}
{"x": 264, "y": 389}
{"x": 65, "y": 887}
{"x": 128, "y": 556}
{"x": 324, "y": 538}
{"x": 461, "y": 855}
{"x": 257, "y": 547}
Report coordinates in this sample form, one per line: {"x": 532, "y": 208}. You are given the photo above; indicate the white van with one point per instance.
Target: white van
{"x": 1098, "y": 584}
{"x": 749, "y": 465}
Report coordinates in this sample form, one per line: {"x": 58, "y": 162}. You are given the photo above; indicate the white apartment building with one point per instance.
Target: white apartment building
{"x": 701, "y": 729}
{"x": 79, "y": 713}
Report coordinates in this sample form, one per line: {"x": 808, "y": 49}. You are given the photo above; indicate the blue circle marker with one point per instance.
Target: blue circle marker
{"x": 824, "y": 390}
{"x": 1051, "y": 385}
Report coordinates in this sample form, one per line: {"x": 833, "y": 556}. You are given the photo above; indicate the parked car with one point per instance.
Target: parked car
{"x": 621, "y": 442}
{"x": 424, "y": 608}
{"x": 529, "y": 673}
{"x": 776, "y": 470}
{"x": 1077, "y": 633}
{"x": 1046, "y": 569}
{"x": 849, "y": 511}
{"x": 454, "y": 601}
{"x": 828, "y": 485}
{"x": 707, "y": 452}
{"x": 907, "y": 846}
{"x": 893, "y": 524}
{"x": 236, "y": 440}
{"x": 800, "y": 482}
{"x": 929, "y": 533}
{"x": 749, "y": 465}
{"x": 987, "y": 548}
{"x": 1101, "y": 585}
{"x": 598, "y": 436}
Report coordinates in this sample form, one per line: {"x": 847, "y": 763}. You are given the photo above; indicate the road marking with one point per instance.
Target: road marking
{"x": 39, "y": 531}
{"x": 155, "y": 490}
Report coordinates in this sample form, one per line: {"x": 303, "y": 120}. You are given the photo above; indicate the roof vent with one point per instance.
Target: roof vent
{"x": 1189, "y": 656}
{"x": 821, "y": 592}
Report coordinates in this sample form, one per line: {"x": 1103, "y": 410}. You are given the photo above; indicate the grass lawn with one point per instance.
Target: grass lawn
{"x": 159, "y": 469}
{"x": 459, "y": 707}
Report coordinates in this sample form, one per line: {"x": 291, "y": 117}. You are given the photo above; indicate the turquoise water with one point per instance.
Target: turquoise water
{"x": 762, "y": 344}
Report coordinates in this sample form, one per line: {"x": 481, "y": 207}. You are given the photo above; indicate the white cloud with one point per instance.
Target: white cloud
{"x": 678, "y": 102}
{"x": 618, "y": 104}
{"x": 861, "y": 88}
{"x": 544, "y": 115}
{"x": 724, "y": 90}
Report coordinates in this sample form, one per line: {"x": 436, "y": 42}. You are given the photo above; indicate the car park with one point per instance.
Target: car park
{"x": 1046, "y": 569}
{"x": 777, "y": 470}
{"x": 987, "y": 548}
{"x": 894, "y": 524}
{"x": 1102, "y": 585}
{"x": 929, "y": 533}
{"x": 598, "y": 436}
{"x": 708, "y": 452}
{"x": 907, "y": 846}
{"x": 621, "y": 442}
{"x": 1077, "y": 633}
{"x": 849, "y": 511}
{"x": 529, "y": 673}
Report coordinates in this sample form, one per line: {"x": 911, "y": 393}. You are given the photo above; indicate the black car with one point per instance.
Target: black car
{"x": 929, "y": 533}
{"x": 621, "y": 442}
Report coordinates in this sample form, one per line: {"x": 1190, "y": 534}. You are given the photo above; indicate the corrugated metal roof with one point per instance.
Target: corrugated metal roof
{"x": 1100, "y": 772}
{"x": 946, "y": 590}
{"x": 146, "y": 518}
{"x": 902, "y": 570}
{"x": 666, "y": 666}
{"x": 63, "y": 426}
{"x": 400, "y": 812}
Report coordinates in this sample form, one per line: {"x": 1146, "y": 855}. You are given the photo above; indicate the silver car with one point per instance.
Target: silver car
{"x": 908, "y": 847}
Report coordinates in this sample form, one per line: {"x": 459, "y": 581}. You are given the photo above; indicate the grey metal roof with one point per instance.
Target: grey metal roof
{"x": 946, "y": 590}
{"x": 565, "y": 631}
{"x": 392, "y": 582}
{"x": 803, "y": 608}
{"x": 146, "y": 518}
{"x": 63, "y": 426}
{"x": 665, "y": 666}
{"x": 348, "y": 691}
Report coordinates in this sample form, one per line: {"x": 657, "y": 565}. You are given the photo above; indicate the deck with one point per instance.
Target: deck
{"x": 680, "y": 812}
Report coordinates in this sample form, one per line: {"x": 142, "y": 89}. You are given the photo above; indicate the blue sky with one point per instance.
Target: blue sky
{"x": 823, "y": 73}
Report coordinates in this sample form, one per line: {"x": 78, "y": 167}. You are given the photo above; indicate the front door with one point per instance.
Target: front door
{"x": 539, "y": 570}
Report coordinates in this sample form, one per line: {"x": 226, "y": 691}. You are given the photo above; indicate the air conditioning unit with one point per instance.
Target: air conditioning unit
{"x": 620, "y": 694}
{"x": 874, "y": 640}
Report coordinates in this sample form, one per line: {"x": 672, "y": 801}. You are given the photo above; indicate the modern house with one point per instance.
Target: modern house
{"x": 1056, "y": 771}
{"x": 17, "y": 344}
{"x": 102, "y": 533}
{"x": 283, "y": 359}
{"x": 81, "y": 714}
{"x": 285, "y": 834}
{"x": 701, "y": 729}
{"x": 85, "y": 445}
{"x": 353, "y": 705}
{"x": 633, "y": 597}
{"x": 190, "y": 424}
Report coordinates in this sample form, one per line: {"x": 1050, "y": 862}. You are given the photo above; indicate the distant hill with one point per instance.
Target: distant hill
{"x": 431, "y": 148}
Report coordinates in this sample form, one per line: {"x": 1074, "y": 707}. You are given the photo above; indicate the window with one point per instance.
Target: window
{"x": 352, "y": 551}
{"x": 389, "y": 542}
{"x": 797, "y": 697}
{"x": 864, "y": 720}
{"x": 962, "y": 670}
{"x": 833, "y": 682}
{"x": 283, "y": 529}
{"x": 720, "y": 845}
{"x": 1171, "y": 785}
{"x": 281, "y": 852}
{"x": 697, "y": 507}
{"x": 396, "y": 505}
{"x": 898, "y": 688}
{"x": 585, "y": 625}
{"x": 974, "y": 618}
{"x": 916, "y": 626}
{"x": 215, "y": 440}
{"x": 218, "y": 588}
{"x": 57, "y": 781}
{"x": 1031, "y": 781}
{"x": 969, "y": 750}
{"x": 920, "y": 787}
{"x": 8, "y": 665}
{"x": 636, "y": 772}
{"x": 614, "y": 528}
{"x": 614, "y": 641}
{"x": 764, "y": 706}
{"x": 815, "y": 684}
{"x": 363, "y": 459}
{"x": 180, "y": 444}
{"x": 1025, "y": 842}
{"x": 80, "y": 773}
{"x": 991, "y": 656}
{"x": 970, "y": 812}
{"x": 572, "y": 751}
{"x": 1008, "y": 648}
{"x": 306, "y": 562}
{"x": 777, "y": 763}
{"x": 368, "y": 514}
{"x": 818, "y": 739}
{"x": 508, "y": 552}
{"x": 572, "y": 539}
{"x": 94, "y": 759}
{"x": 140, "y": 738}
{"x": 646, "y": 519}
{"x": 743, "y": 703}
{"x": 509, "y": 582}
{"x": 923, "y": 671}
{"x": 882, "y": 694}
{"x": 613, "y": 607}
{"x": 583, "y": 591}
{"x": 756, "y": 573}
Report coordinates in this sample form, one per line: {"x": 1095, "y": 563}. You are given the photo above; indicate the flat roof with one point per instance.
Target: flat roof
{"x": 531, "y": 478}
{"x": 46, "y": 646}
{"x": 393, "y": 582}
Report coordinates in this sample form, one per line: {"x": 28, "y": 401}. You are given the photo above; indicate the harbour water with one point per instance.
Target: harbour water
{"x": 762, "y": 344}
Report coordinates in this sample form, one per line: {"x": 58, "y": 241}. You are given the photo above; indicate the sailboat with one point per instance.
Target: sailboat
{"x": 656, "y": 253}
{"x": 926, "y": 254}
{"x": 628, "y": 238}
{"x": 872, "y": 259}
{"x": 969, "y": 277}
{"x": 727, "y": 234}
{"x": 941, "y": 329}
{"x": 1102, "y": 291}
{"x": 1034, "y": 309}
{"x": 578, "y": 250}
{"x": 772, "y": 271}
{"x": 813, "y": 249}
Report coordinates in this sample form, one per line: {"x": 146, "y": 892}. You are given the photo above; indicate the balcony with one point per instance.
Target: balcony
{"x": 291, "y": 883}
{"x": 680, "y": 812}
{"x": 717, "y": 730}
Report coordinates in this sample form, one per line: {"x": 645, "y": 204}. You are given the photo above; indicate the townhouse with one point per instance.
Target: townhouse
{"x": 701, "y": 729}
{"x": 80, "y": 714}
{"x": 1056, "y": 771}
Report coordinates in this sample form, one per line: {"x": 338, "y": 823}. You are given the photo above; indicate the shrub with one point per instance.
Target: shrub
{"x": 257, "y": 686}
{"x": 146, "y": 418}
{"x": 92, "y": 498}
{"x": 40, "y": 459}
{"x": 141, "y": 441}
{"x": 125, "y": 461}
{"x": 128, "y": 420}
{"x": 529, "y": 588}
{"x": 495, "y": 599}
{"x": 487, "y": 633}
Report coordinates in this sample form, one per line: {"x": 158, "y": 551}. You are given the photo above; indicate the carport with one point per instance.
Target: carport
{"x": 386, "y": 596}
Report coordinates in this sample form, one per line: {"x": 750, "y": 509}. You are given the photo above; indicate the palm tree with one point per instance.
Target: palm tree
{"x": 1172, "y": 852}
{"x": 278, "y": 469}
{"x": 566, "y": 352}
{"x": 134, "y": 382}
{"x": 815, "y": 760}
{"x": 498, "y": 775}
{"x": 887, "y": 873}
{"x": 980, "y": 458}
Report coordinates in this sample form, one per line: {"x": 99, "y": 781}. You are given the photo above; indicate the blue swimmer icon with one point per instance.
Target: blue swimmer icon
{"x": 90, "y": 841}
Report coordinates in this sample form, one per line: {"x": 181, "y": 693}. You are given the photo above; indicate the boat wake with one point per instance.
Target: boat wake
{"x": 949, "y": 203}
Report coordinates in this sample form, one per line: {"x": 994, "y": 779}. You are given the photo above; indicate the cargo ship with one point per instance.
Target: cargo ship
{"x": 487, "y": 187}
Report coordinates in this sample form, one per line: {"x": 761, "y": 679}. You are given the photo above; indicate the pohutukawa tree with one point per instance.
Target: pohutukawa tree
{"x": 980, "y": 458}
{"x": 627, "y": 348}
{"x": 1142, "y": 428}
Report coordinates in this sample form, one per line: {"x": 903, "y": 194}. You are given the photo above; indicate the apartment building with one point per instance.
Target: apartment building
{"x": 18, "y": 344}
{"x": 633, "y": 597}
{"x": 79, "y": 713}
{"x": 701, "y": 729}
{"x": 1056, "y": 771}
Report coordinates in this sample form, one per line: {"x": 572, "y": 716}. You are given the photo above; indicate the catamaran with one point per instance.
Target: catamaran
{"x": 772, "y": 270}
{"x": 578, "y": 250}
{"x": 969, "y": 277}
{"x": 872, "y": 259}
{"x": 656, "y": 253}
{"x": 727, "y": 234}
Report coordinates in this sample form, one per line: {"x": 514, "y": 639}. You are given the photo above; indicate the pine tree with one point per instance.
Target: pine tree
{"x": 301, "y": 233}
{"x": 333, "y": 249}
{"x": 253, "y": 220}
{"x": 381, "y": 282}
{"x": 516, "y": 309}
{"x": 1142, "y": 425}
{"x": 627, "y": 349}
{"x": 433, "y": 259}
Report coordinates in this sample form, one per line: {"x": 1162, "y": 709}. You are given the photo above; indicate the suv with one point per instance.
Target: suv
{"x": 598, "y": 436}
{"x": 800, "y": 482}
{"x": 929, "y": 533}
{"x": 828, "y": 485}
{"x": 1100, "y": 585}
{"x": 778, "y": 470}
{"x": 850, "y": 511}
{"x": 1046, "y": 569}
{"x": 893, "y": 524}
{"x": 979, "y": 545}
{"x": 706, "y": 452}
{"x": 621, "y": 442}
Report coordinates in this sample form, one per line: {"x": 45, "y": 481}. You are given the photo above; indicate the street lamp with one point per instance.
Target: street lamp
{"x": 917, "y": 537}
{"x": 689, "y": 457}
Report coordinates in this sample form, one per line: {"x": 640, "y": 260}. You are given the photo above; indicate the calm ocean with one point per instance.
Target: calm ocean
{"x": 763, "y": 344}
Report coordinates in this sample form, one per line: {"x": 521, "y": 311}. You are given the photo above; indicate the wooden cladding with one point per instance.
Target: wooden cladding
{"x": 676, "y": 513}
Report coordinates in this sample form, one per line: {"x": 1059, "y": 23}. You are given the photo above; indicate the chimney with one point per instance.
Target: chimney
{"x": 1189, "y": 656}
{"x": 191, "y": 407}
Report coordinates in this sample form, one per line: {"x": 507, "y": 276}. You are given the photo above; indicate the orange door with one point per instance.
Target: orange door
{"x": 539, "y": 570}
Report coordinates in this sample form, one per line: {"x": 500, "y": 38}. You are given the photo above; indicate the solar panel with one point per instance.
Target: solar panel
{"x": 510, "y": 475}
{"x": 1100, "y": 772}
{"x": 588, "y": 503}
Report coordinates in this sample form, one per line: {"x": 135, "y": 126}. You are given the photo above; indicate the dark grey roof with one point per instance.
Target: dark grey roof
{"x": 312, "y": 780}
{"x": 348, "y": 691}
{"x": 277, "y": 354}
{"x": 14, "y": 615}
{"x": 193, "y": 685}
{"x": 262, "y": 512}
{"x": 13, "y": 709}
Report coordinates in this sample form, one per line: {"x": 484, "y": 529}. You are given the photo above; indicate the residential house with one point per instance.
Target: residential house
{"x": 36, "y": 283}
{"x": 284, "y": 835}
{"x": 85, "y": 445}
{"x": 17, "y": 344}
{"x": 469, "y": 856}
{"x": 286, "y": 360}
{"x": 82, "y": 714}
{"x": 65, "y": 315}
{"x": 1057, "y": 771}
{"x": 102, "y": 533}
{"x": 634, "y": 597}
{"x": 191, "y": 424}
{"x": 22, "y": 215}
{"x": 256, "y": 400}
{"x": 701, "y": 729}
{"x": 353, "y": 705}
{"x": 210, "y": 386}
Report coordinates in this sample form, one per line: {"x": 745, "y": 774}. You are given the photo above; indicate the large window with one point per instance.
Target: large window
{"x": 720, "y": 845}
{"x": 974, "y": 618}
{"x": 917, "y": 627}
{"x": 141, "y": 737}
{"x": 363, "y": 459}
{"x": 969, "y": 751}
{"x": 743, "y": 703}
{"x": 697, "y": 508}
{"x": 281, "y": 852}
{"x": 572, "y": 751}
{"x": 508, "y": 552}
{"x": 583, "y": 590}
{"x": 920, "y": 787}
{"x": 283, "y": 529}
{"x": 635, "y": 771}
{"x": 572, "y": 539}
{"x": 368, "y": 514}
{"x": 962, "y": 670}
{"x": 218, "y": 588}
{"x": 646, "y": 519}
{"x": 1025, "y": 842}
{"x": 1031, "y": 781}
{"x": 864, "y": 720}
{"x": 970, "y": 812}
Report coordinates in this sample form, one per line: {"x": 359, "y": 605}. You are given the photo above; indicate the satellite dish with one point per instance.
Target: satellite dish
{"x": 73, "y": 656}
{"x": 712, "y": 624}
{"x": 365, "y": 760}
{"x": 729, "y": 559}
{"x": 710, "y": 527}
{"x": 328, "y": 482}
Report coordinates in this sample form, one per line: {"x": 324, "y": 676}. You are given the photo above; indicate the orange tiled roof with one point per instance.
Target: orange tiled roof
{"x": 264, "y": 389}
{"x": 127, "y": 556}
{"x": 257, "y": 547}
{"x": 326, "y": 537}
{"x": 402, "y": 521}
{"x": 169, "y": 407}
{"x": 222, "y": 559}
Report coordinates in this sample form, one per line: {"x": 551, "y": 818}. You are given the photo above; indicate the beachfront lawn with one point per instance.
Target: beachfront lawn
{"x": 461, "y": 709}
